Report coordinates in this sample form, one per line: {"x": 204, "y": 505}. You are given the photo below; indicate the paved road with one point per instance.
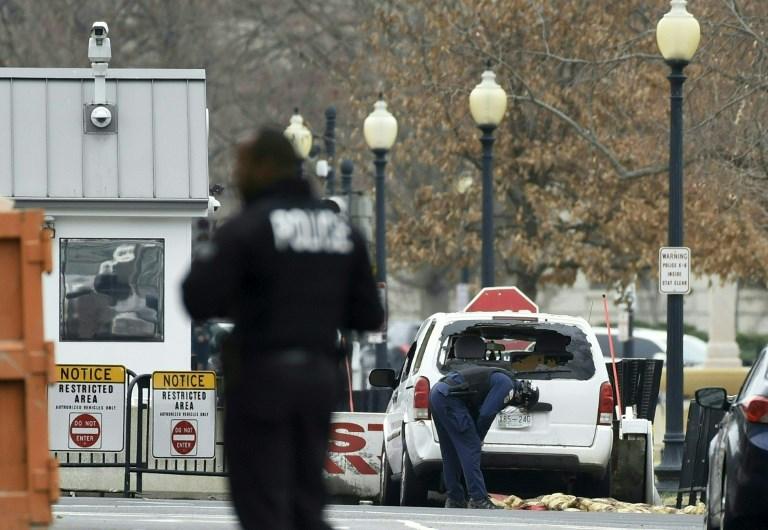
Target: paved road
{"x": 86, "y": 513}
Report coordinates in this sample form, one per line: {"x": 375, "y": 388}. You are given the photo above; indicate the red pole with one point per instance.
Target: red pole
{"x": 613, "y": 356}
{"x": 349, "y": 385}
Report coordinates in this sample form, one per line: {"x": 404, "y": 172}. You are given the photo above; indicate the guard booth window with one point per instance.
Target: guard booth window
{"x": 111, "y": 290}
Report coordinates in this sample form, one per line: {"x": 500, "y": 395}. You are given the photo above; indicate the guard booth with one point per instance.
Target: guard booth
{"x": 118, "y": 160}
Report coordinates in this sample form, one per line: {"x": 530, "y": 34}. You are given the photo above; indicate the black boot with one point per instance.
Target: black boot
{"x": 483, "y": 504}
{"x": 453, "y": 503}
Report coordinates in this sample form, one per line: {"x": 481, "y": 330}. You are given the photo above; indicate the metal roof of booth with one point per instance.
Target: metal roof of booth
{"x": 157, "y": 158}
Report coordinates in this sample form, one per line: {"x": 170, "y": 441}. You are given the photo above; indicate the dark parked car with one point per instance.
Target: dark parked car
{"x": 737, "y": 487}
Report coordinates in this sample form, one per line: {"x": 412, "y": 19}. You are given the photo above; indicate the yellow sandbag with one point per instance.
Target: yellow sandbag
{"x": 513, "y": 502}
{"x": 498, "y": 503}
{"x": 561, "y": 502}
{"x": 570, "y": 503}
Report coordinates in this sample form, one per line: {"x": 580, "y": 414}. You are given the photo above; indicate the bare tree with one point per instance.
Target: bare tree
{"x": 582, "y": 153}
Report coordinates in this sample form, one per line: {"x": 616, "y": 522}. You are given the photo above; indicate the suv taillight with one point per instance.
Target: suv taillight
{"x": 756, "y": 409}
{"x": 421, "y": 399}
{"x": 605, "y": 408}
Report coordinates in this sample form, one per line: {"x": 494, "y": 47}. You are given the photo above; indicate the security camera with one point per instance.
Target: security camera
{"x": 213, "y": 204}
{"x": 99, "y": 31}
{"x": 101, "y": 116}
{"x": 99, "y": 48}
{"x": 341, "y": 204}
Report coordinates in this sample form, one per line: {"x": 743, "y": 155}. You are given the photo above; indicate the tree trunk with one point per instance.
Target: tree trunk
{"x": 527, "y": 283}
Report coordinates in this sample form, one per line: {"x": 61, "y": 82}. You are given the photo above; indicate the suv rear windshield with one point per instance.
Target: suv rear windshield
{"x": 534, "y": 350}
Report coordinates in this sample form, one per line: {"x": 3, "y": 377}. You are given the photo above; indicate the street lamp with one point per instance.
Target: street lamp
{"x": 677, "y": 35}
{"x": 380, "y": 131}
{"x": 299, "y": 136}
{"x": 329, "y": 138}
{"x": 487, "y": 103}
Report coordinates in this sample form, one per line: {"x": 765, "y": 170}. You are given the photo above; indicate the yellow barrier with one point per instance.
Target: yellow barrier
{"x": 695, "y": 378}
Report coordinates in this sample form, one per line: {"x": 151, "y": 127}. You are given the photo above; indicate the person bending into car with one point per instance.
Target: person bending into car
{"x": 290, "y": 273}
{"x": 464, "y": 404}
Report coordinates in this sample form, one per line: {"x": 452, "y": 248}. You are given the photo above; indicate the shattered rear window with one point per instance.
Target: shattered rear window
{"x": 534, "y": 350}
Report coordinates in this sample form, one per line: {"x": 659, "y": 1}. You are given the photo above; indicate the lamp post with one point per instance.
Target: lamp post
{"x": 329, "y": 139}
{"x": 380, "y": 131}
{"x": 677, "y": 35}
{"x": 300, "y": 137}
{"x": 347, "y": 167}
{"x": 487, "y": 103}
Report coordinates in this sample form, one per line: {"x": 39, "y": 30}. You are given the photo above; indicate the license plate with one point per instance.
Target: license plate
{"x": 514, "y": 420}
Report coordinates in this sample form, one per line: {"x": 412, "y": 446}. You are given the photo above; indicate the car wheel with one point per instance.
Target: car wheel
{"x": 413, "y": 490}
{"x": 389, "y": 492}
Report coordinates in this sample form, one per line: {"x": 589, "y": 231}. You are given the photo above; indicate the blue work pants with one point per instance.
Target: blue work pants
{"x": 460, "y": 444}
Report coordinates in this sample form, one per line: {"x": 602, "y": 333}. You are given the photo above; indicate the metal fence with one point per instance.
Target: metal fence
{"x": 139, "y": 460}
{"x": 639, "y": 381}
{"x": 136, "y": 458}
{"x": 702, "y": 426}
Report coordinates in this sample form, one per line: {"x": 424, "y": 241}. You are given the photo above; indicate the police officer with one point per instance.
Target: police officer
{"x": 464, "y": 404}
{"x": 289, "y": 272}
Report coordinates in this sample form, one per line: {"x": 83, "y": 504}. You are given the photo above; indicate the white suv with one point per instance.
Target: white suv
{"x": 567, "y": 435}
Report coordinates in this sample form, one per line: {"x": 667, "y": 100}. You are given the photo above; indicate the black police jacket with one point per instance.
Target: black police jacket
{"x": 288, "y": 271}
{"x": 477, "y": 381}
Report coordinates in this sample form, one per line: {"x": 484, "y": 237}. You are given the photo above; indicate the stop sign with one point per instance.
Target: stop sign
{"x": 501, "y": 299}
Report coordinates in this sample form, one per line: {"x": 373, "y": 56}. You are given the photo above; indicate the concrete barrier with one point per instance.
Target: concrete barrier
{"x": 354, "y": 454}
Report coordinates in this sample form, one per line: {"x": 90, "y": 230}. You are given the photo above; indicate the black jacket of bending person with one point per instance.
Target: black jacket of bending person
{"x": 288, "y": 271}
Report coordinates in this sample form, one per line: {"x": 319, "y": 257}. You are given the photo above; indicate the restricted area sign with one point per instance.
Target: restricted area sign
{"x": 501, "y": 299}
{"x": 86, "y": 408}
{"x": 674, "y": 270}
{"x": 183, "y": 414}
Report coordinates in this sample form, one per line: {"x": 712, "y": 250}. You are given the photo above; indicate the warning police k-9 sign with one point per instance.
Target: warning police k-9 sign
{"x": 183, "y": 414}
{"x": 86, "y": 408}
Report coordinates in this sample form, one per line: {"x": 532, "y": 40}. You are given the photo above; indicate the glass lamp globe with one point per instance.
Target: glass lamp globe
{"x": 488, "y": 101}
{"x": 299, "y": 135}
{"x": 380, "y": 127}
{"x": 678, "y": 33}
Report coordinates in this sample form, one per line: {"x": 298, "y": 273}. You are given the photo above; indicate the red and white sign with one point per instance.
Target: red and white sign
{"x": 183, "y": 437}
{"x": 85, "y": 431}
{"x": 491, "y": 299}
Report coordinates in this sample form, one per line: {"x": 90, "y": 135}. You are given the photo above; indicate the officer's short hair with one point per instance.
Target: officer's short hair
{"x": 264, "y": 160}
